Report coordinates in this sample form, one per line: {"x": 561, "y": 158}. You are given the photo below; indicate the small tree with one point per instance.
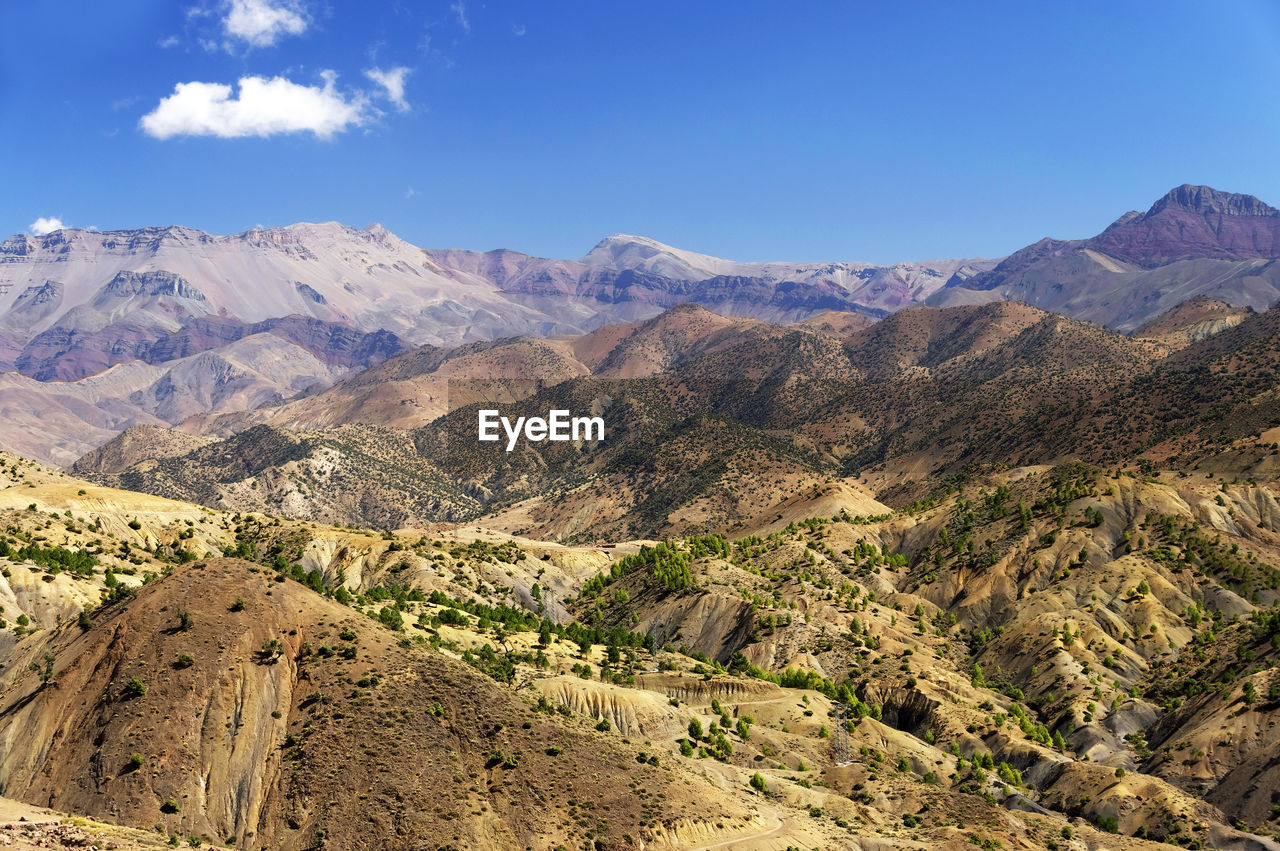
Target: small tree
{"x": 757, "y": 783}
{"x": 184, "y": 620}
{"x": 390, "y": 618}
{"x": 44, "y": 669}
{"x": 271, "y": 649}
{"x": 695, "y": 729}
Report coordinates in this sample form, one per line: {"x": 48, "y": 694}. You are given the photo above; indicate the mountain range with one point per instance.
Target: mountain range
{"x": 103, "y": 330}
{"x": 868, "y": 558}
{"x": 100, "y": 331}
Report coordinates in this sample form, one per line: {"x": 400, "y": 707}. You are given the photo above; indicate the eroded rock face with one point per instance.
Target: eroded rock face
{"x": 218, "y": 754}
{"x": 261, "y": 739}
{"x": 67, "y": 353}
{"x": 157, "y": 283}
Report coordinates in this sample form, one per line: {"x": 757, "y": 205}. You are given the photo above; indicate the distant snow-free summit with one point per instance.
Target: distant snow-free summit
{"x": 1194, "y": 241}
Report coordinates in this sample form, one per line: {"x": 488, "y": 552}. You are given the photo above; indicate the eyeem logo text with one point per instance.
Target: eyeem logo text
{"x": 558, "y": 425}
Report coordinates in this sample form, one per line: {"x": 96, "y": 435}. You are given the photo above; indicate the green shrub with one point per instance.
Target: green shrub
{"x": 453, "y": 617}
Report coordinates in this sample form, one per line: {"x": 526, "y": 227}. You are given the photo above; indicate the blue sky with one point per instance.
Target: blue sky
{"x": 752, "y": 130}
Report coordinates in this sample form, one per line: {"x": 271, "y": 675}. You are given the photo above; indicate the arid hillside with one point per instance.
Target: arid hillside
{"x": 1043, "y": 657}
{"x": 710, "y": 420}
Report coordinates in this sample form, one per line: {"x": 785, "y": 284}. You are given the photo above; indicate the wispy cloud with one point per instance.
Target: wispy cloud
{"x": 261, "y": 23}
{"x": 262, "y": 107}
{"x": 459, "y": 9}
{"x": 427, "y": 45}
{"x": 43, "y": 225}
{"x": 517, "y": 29}
{"x": 411, "y": 193}
{"x": 392, "y": 82}
{"x": 168, "y": 42}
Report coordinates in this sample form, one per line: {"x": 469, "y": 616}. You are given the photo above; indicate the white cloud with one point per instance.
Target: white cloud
{"x": 43, "y": 226}
{"x": 168, "y": 42}
{"x": 392, "y": 82}
{"x": 263, "y": 107}
{"x": 459, "y": 10}
{"x": 261, "y": 23}
{"x": 517, "y": 29}
{"x": 411, "y": 193}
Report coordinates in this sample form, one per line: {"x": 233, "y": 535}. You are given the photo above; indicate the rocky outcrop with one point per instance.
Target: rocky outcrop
{"x": 150, "y": 284}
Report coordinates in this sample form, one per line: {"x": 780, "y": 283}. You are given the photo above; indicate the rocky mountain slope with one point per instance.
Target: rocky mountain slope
{"x": 1194, "y": 320}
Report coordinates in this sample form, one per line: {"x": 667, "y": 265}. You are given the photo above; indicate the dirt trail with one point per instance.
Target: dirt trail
{"x": 743, "y": 843}
{"x": 782, "y": 827}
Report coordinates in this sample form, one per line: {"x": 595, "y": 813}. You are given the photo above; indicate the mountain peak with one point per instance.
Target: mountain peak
{"x": 610, "y": 248}
{"x": 1206, "y": 200}
{"x": 639, "y": 253}
{"x": 1192, "y": 222}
